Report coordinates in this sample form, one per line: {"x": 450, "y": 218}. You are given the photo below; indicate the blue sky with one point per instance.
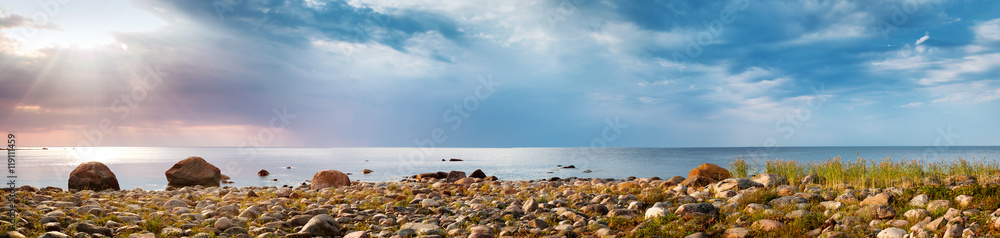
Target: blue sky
{"x": 500, "y": 73}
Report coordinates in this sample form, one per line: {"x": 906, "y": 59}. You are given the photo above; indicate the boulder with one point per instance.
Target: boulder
{"x": 322, "y": 225}
{"x": 697, "y": 209}
{"x": 892, "y": 232}
{"x": 675, "y": 180}
{"x": 263, "y": 173}
{"x": 427, "y": 175}
{"x": 770, "y": 180}
{"x": 193, "y": 171}
{"x": 93, "y": 176}
{"x": 367, "y": 171}
{"x": 455, "y": 160}
{"x": 697, "y": 181}
{"x": 455, "y": 176}
{"x": 329, "y": 178}
{"x": 711, "y": 171}
{"x": 879, "y": 199}
{"x": 767, "y": 225}
{"x": 478, "y": 174}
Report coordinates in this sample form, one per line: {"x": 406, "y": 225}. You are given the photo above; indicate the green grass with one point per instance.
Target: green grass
{"x": 739, "y": 167}
{"x": 866, "y": 173}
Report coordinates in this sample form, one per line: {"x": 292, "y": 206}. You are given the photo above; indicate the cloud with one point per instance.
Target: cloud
{"x": 912, "y": 105}
{"x": 988, "y": 31}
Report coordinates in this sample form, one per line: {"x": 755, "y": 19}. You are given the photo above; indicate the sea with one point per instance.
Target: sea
{"x": 145, "y": 167}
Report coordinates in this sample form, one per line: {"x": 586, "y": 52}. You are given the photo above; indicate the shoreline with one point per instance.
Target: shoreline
{"x": 768, "y": 205}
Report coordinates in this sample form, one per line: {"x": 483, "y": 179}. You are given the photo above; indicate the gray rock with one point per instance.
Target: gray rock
{"x": 892, "y": 232}
{"x": 322, "y": 225}
{"x": 770, "y": 180}
{"x": 697, "y": 209}
{"x": 920, "y": 200}
{"x": 53, "y": 234}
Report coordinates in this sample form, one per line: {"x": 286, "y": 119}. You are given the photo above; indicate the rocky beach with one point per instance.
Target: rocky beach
{"x": 709, "y": 202}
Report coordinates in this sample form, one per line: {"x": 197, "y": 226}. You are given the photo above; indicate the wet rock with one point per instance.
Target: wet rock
{"x": 455, "y": 176}
{"x": 263, "y": 173}
{"x": 367, "y": 171}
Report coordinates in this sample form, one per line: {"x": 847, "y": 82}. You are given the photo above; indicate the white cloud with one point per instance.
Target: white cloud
{"x": 649, "y": 100}
{"x": 654, "y": 83}
{"x": 922, "y": 39}
{"x": 987, "y": 31}
{"x": 953, "y": 70}
{"x": 912, "y": 105}
{"x": 971, "y": 92}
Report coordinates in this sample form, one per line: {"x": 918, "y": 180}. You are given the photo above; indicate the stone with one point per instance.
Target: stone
{"x": 770, "y": 180}
{"x": 628, "y": 213}
{"x": 322, "y": 225}
{"x": 963, "y": 200}
{"x": 786, "y": 201}
{"x": 846, "y": 198}
{"x": 697, "y": 209}
{"x": 812, "y": 179}
{"x": 879, "y": 199}
{"x": 659, "y": 209}
{"x": 455, "y": 176}
{"x": 920, "y": 200}
{"x": 93, "y": 175}
{"x": 938, "y": 205}
{"x": 91, "y": 229}
{"x": 455, "y": 160}
{"x": 478, "y": 174}
{"x": 697, "y": 181}
{"x": 697, "y": 235}
{"x": 736, "y": 184}
{"x": 193, "y": 171}
{"x": 53, "y": 234}
{"x": 675, "y": 180}
{"x": 367, "y": 171}
{"x": 710, "y": 171}
{"x": 358, "y": 234}
{"x": 223, "y": 223}
{"x": 52, "y": 226}
{"x": 916, "y": 214}
{"x": 423, "y": 176}
{"x": 877, "y": 211}
{"x": 263, "y": 173}
{"x": 767, "y": 225}
{"x": 466, "y": 181}
{"x": 329, "y": 179}
{"x": 736, "y": 232}
{"x": 892, "y": 232}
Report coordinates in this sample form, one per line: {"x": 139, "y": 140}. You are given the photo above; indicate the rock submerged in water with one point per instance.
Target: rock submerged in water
{"x": 329, "y": 178}
{"x": 93, "y": 175}
{"x": 263, "y": 173}
{"x": 455, "y": 160}
{"x": 367, "y": 171}
{"x": 193, "y": 171}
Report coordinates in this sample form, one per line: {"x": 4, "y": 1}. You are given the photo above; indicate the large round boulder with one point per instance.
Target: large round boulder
{"x": 193, "y": 171}
{"x": 711, "y": 171}
{"x": 93, "y": 175}
{"x": 329, "y": 178}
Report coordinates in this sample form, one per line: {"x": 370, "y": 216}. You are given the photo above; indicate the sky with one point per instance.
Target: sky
{"x": 567, "y": 73}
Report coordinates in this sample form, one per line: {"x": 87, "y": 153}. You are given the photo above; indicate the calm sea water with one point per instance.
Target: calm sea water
{"x": 144, "y": 167}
